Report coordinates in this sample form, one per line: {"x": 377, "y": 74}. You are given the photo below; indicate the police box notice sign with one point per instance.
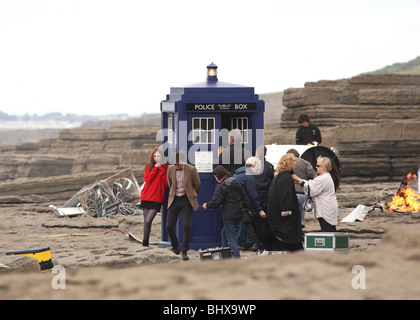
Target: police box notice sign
{"x": 230, "y": 106}
{"x": 204, "y": 161}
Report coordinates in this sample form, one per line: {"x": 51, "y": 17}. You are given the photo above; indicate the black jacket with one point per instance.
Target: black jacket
{"x": 231, "y": 196}
{"x": 264, "y": 178}
{"x": 307, "y": 135}
{"x": 281, "y": 198}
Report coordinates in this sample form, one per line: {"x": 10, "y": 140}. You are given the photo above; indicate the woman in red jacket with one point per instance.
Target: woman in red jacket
{"x": 154, "y": 190}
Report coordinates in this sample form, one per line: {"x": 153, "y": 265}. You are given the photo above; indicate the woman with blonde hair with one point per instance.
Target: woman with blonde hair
{"x": 322, "y": 190}
{"x": 283, "y": 208}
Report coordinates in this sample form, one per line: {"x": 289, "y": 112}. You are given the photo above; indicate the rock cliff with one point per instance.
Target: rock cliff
{"x": 372, "y": 120}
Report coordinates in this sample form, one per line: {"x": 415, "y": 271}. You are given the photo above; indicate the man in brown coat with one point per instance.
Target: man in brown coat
{"x": 184, "y": 185}
{"x": 305, "y": 170}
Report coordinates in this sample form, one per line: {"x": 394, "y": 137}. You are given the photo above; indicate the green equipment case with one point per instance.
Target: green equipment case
{"x": 327, "y": 241}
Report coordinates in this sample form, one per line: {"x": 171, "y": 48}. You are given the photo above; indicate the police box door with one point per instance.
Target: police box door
{"x": 240, "y": 121}
{"x": 202, "y": 149}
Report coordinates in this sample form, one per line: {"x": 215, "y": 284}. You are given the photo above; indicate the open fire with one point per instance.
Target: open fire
{"x": 407, "y": 199}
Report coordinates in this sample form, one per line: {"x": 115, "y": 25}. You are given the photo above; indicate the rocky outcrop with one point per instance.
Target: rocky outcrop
{"x": 372, "y": 120}
{"x": 78, "y": 151}
{"x": 362, "y": 99}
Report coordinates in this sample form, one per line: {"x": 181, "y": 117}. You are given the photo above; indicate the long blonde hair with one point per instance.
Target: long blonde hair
{"x": 285, "y": 163}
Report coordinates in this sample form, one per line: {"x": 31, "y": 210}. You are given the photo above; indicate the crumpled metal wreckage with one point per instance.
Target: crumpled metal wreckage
{"x": 118, "y": 194}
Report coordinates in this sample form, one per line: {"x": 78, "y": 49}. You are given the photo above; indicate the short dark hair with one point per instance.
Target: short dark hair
{"x": 294, "y": 152}
{"x": 302, "y": 118}
{"x": 220, "y": 172}
{"x": 261, "y": 151}
{"x": 178, "y": 157}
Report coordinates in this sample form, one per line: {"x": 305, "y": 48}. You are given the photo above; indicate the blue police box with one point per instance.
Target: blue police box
{"x": 196, "y": 120}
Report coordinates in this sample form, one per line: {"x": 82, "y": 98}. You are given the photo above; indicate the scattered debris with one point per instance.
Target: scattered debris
{"x": 384, "y": 197}
{"x": 359, "y": 214}
{"x": 131, "y": 237}
{"x": 85, "y": 223}
{"x": 407, "y": 199}
{"x": 67, "y": 235}
{"x": 118, "y": 194}
{"x": 113, "y": 229}
{"x": 68, "y": 212}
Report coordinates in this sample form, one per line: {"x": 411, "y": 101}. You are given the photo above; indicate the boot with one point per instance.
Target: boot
{"x": 185, "y": 256}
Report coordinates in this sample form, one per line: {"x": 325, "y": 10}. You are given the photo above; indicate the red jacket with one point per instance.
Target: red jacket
{"x": 156, "y": 183}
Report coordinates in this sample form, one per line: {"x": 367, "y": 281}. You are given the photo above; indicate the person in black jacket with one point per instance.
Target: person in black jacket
{"x": 263, "y": 180}
{"x": 307, "y": 132}
{"x": 283, "y": 208}
{"x": 231, "y": 196}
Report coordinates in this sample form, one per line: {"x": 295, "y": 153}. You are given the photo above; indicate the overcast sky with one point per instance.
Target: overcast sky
{"x": 106, "y": 56}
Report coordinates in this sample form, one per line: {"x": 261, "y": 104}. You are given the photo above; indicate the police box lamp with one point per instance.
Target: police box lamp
{"x": 211, "y": 72}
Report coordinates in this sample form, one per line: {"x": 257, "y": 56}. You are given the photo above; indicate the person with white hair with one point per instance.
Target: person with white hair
{"x": 245, "y": 175}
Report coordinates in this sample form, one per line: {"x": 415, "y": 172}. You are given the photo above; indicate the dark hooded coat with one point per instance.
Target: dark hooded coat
{"x": 281, "y": 198}
{"x": 231, "y": 196}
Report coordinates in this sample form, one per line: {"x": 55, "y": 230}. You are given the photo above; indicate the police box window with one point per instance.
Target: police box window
{"x": 241, "y": 123}
{"x": 203, "y": 130}
{"x": 172, "y": 128}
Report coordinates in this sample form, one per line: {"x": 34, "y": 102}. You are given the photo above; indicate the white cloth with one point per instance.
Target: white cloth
{"x": 325, "y": 201}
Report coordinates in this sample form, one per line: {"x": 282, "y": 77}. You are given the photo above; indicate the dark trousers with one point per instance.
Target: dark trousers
{"x": 325, "y": 226}
{"x": 279, "y": 245}
{"x": 180, "y": 204}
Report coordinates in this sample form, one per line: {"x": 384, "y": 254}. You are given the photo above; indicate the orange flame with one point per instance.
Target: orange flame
{"x": 406, "y": 199}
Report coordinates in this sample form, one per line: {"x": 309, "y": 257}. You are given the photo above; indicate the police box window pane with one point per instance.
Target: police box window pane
{"x": 241, "y": 123}
{"x": 176, "y": 127}
{"x": 170, "y": 128}
{"x": 203, "y": 130}
{"x": 196, "y": 136}
{"x": 210, "y": 125}
{"x": 211, "y": 136}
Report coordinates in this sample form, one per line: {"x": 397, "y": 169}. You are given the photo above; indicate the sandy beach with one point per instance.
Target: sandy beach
{"x": 100, "y": 263}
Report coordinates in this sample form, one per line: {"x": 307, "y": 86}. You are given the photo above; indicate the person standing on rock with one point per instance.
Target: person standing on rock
{"x": 307, "y": 133}
{"x": 154, "y": 190}
{"x": 184, "y": 184}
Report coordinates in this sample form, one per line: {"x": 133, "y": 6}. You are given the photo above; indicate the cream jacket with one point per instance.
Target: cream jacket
{"x": 325, "y": 201}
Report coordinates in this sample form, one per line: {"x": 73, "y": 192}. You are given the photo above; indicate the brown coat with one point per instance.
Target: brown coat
{"x": 192, "y": 184}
